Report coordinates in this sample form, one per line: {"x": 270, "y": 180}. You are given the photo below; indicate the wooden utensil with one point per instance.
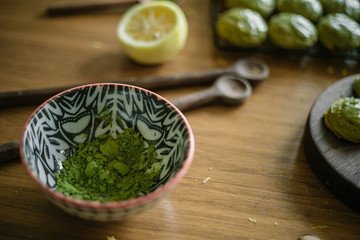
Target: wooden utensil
{"x": 252, "y": 69}
{"x": 335, "y": 161}
{"x": 73, "y": 7}
{"x": 9, "y": 151}
{"x": 227, "y": 88}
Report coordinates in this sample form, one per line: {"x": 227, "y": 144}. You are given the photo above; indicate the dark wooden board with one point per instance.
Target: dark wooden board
{"x": 335, "y": 161}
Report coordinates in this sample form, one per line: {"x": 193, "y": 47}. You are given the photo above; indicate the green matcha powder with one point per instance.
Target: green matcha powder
{"x": 109, "y": 169}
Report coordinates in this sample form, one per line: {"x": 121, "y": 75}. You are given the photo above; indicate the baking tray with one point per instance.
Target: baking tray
{"x": 218, "y": 6}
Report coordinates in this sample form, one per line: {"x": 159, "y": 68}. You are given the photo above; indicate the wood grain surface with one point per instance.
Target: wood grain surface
{"x": 253, "y": 152}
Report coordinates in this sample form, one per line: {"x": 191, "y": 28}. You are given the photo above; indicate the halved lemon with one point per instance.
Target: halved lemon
{"x": 154, "y": 32}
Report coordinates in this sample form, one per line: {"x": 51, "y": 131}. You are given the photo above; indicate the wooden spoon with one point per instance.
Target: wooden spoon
{"x": 228, "y": 89}
{"x": 252, "y": 69}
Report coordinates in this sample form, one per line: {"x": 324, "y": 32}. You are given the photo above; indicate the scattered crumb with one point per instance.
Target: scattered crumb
{"x": 195, "y": 180}
{"x": 309, "y": 237}
{"x": 344, "y": 72}
{"x": 206, "y": 179}
{"x": 330, "y": 70}
{"x": 253, "y": 220}
{"x": 222, "y": 61}
{"x": 210, "y": 168}
{"x": 110, "y": 238}
{"x": 190, "y": 11}
{"x": 275, "y": 223}
{"x": 127, "y": 79}
{"x": 17, "y": 191}
{"x": 97, "y": 45}
{"x": 320, "y": 227}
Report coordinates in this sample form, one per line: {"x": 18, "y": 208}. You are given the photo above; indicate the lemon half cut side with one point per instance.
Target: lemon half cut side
{"x": 153, "y": 32}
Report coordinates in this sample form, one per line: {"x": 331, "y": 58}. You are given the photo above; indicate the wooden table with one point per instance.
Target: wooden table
{"x": 253, "y": 153}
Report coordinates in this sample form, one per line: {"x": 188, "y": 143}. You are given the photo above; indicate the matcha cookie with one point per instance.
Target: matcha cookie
{"x": 343, "y": 119}
{"x": 337, "y": 31}
{"x": 292, "y": 31}
{"x": 356, "y": 86}
{"x": 348, "y": 7}
{"x": 264, "y": 7}
{"x": 311, "y": 9}
{"x": 242, "y": 27}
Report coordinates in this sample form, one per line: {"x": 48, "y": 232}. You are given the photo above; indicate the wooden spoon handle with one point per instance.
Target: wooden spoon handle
{"x": 37, "y": 96}
{"x": 28, "y": 97}
{"x": 9, "y": 151}
{"x": 196, "y": 99}
{"x": 71, "y": 7}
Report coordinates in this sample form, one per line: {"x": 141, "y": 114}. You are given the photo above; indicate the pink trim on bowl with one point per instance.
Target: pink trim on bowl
{"x": 122, "y": 204}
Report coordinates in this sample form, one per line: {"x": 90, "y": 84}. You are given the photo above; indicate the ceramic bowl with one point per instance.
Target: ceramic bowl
{"x": 54, "y": 130}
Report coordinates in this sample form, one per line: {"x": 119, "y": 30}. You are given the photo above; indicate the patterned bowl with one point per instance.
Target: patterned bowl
{"x": 54, "y": 130}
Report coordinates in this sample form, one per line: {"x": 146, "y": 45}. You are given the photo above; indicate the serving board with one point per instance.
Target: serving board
{"x": 335, "y": 161}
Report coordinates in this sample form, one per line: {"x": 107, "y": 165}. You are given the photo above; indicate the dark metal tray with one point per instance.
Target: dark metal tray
{"x": 217, "y": 7}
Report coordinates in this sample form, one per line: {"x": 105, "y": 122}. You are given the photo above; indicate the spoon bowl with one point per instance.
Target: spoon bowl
{"x": 232, "y": 90}
{"x": 251, "y": 69}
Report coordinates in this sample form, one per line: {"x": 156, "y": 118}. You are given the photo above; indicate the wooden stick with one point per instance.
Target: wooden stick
{"x": 72, "y": 7}
{"x": 37, "y": 96}
{"x": 9, "y": 151}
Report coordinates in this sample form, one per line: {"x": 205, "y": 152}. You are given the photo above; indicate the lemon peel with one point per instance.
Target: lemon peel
{"x": 153, "y": 32}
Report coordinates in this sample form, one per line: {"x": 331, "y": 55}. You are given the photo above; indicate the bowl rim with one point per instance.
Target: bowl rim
{"x": 113, "y": 204}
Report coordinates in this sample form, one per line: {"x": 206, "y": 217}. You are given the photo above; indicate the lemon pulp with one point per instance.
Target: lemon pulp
{"x": 150, "y": 24}
{"x": 153, "y": 33}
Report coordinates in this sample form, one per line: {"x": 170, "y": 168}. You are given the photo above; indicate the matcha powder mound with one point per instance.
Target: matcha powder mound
{"x": 109, "y": 169}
